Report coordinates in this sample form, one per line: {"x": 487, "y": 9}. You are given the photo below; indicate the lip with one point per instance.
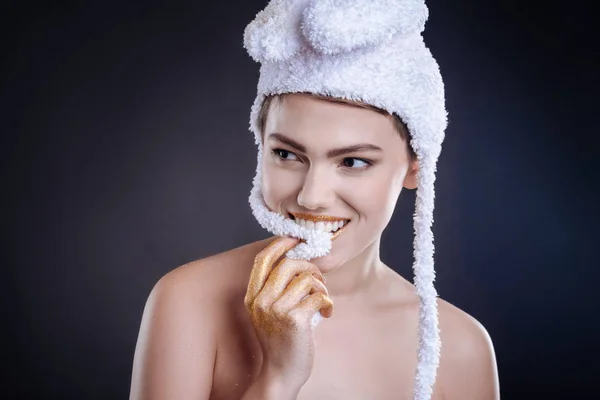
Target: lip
{"x": 323, "y": 218}
{"x": 317, "y": 218}
{"x": 339, "y": 231}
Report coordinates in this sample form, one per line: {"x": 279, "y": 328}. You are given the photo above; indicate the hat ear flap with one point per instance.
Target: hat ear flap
{"x": 274, "y": 34}
{"x": 335, "y": 26}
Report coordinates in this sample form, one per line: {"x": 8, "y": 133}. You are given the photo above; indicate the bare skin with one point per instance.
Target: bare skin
{"x": 215, "y": 329}
{"x": 197, "y": 340}
{"x": 283, "y": 296}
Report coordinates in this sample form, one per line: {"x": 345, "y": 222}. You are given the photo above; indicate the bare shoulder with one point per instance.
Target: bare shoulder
{"x": 215, "y": 275}
{"x": 468, "y": 362}
{"x": 177, "y": 341}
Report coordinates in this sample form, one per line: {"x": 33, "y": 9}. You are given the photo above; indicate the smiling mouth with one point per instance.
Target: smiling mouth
{"x": 321, "y": 223}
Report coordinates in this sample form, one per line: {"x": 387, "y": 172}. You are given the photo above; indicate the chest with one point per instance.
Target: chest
{"x": 360, "y": 364}
{"x": 354, "y": 359}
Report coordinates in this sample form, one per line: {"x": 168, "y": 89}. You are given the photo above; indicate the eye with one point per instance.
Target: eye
{"x": 284, "y": 154}
{"x": 356, "y": 163}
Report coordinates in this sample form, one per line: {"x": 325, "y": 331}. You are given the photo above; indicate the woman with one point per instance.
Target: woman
{"x": 349, "y": 112}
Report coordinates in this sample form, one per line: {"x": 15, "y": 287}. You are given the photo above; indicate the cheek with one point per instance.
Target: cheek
{"x": 375, "y": 198}
{"x": 277, "y": 184}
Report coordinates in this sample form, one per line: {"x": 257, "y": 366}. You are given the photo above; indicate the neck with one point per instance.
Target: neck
{"x": 357, "y": 276}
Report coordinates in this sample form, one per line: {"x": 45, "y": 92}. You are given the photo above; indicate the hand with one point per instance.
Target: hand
{"x": 281, "y": 301}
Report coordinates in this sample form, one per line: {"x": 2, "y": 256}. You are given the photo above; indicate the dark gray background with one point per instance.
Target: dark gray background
{"x": 125, "y": 153}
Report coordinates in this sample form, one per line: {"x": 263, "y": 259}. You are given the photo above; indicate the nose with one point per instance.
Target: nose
{"x": 317, "y": 191}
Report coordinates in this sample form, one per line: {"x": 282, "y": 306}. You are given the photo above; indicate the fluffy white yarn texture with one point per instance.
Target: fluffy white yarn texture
{"x": 329, "y": 26}
{"x": 270, "y": 36}
{"x": 370, "y": 51}
{"x": 334, "y": 26}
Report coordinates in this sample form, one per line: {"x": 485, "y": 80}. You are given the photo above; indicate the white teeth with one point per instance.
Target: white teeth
{"x": 321, "y": 226}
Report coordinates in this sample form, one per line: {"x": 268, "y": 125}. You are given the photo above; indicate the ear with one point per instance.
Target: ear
{"x": 410, "y": 180}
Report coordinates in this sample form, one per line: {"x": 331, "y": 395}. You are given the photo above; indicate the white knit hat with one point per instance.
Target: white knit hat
{"x": 370, "y": 51}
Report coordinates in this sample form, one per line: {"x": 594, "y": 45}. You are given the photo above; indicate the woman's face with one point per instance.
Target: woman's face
{"x": 327, "y": 159}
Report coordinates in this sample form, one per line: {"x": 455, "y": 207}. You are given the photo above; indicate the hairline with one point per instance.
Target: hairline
{"x": 399, "y": 125}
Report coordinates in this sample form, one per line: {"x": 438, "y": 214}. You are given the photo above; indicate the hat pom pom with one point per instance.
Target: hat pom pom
{"x": 334, "y": 26}
{"x": 274, "y": 34}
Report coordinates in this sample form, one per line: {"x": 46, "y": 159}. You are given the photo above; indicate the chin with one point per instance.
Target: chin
{"x": 328, "y": 263}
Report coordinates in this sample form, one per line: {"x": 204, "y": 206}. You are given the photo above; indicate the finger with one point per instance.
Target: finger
{"x": 263, "y": 263}
{"x": 301, "y": 286}
{"x": 316, "y": 302}
{"x": 280, "y": 278}
{"x": 283, "y": 274}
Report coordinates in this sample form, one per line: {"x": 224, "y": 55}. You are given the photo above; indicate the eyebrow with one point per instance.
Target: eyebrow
{"x": 331, "y": 153}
